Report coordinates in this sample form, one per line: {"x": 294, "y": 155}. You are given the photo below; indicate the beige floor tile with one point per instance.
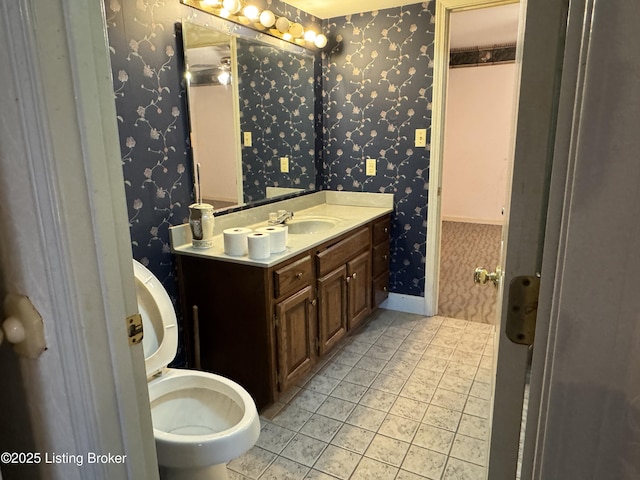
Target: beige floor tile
{"x": 434, "y": 438}
{"x": 478, "y": 407}
{"x": 388, "y": 383}
{"x": 424, "y": 462}
{"x": 321, "y": 427}
{"x": 274, "y": 437}
{"x": 407, "y": 398}
{"x": 475, "y": 427}
{"x": 399, "y": 428}
{"x": 387, "y": 450}
{"x": 338, "y": 462}
{"x": 460, "y": 470}
{"x": 409, "y": 408}
{"x": 448, "y": 399}
{"x": 349, "y": 391}
{"x": 336, "y": 408}
{"x": 303, "y": 449}
{"x": 442, "y": 418}
{"x": 253, "y": 463}
{"x": 469, "y": 449}
{"x": 353, "y": 438}
{"x": 378, "y": 399}
{"x": 370, "y": 469}
{"x": 284, "y": 469}
{"x": 367, "y": 418}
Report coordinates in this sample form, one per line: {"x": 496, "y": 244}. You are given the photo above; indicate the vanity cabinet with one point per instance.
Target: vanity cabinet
{"x": 294, "y": 321}
{"x": 344, "y": 287}
{"x": 265, "y": 327}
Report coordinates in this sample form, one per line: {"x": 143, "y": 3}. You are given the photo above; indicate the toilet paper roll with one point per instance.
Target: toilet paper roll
{"x": 235, "y": 241}
{"x": 259, "y": 245}
{"x": 277, "y": 237}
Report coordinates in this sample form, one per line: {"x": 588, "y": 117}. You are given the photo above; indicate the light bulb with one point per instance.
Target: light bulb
{"x": 224, "y": 78}
{"x": 296, "y": 30}
{"x": 251, "y": 12}
{"x": 283, "y": 24}
{"x": 267, "y": 18}
{"x": 287, "y": 36}
{"x": 309, "y": 35}
{"x": 320, "y": 41}
{"x": 232, "y": 6}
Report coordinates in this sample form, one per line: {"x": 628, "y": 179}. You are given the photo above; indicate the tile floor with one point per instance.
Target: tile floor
{"x": 406, "y": 398}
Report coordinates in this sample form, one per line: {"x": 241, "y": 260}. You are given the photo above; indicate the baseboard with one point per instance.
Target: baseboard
{"x": 484, "y": 221}
{"x": 405, "y": 303}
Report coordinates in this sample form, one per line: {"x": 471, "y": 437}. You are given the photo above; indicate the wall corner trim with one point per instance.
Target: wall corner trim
{"x": 405, "y": 303}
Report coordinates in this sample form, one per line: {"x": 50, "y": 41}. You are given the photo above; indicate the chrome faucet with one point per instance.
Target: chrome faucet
{"x": 279, "y": 217}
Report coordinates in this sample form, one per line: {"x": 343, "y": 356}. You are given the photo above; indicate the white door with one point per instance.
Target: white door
{"x": 64, "y": 244}
{"x": 541, "y": 56}
{"x": 540, "y": 51}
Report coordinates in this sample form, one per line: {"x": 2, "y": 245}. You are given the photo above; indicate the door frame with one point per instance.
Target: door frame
{"x": 444, "y": 9}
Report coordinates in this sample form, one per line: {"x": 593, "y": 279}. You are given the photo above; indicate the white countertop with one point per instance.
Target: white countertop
{"x": 350, "y": 211}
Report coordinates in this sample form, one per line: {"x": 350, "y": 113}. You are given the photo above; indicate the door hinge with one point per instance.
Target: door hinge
{"x": 439, "y": 191}
{"x": 134, "y": 329}
{"x": 275, "y": 320}
{"x": 522, "y": 309}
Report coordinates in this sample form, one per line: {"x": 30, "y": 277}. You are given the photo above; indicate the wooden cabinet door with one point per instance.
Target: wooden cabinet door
{"x": 332, "y": 319}
{"x": 295, "y": 321}
{"x": 359, "y": 289}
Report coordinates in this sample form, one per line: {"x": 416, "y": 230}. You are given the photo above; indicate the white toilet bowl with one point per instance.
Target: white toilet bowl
{"x": 201, "y": 421}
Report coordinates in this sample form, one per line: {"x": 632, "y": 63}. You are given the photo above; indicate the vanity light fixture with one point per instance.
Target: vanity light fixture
{"x": 244, "y": 13}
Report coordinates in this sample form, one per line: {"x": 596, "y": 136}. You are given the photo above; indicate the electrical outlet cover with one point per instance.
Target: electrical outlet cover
{"x": 284, "y": 164}
{"x": 370, "y": 166}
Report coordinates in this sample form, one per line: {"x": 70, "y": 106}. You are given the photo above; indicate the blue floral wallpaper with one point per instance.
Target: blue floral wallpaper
{"x": 276, "y": 90}
{"x": 377, "y": 79}
{"x": 151, "y": 110}
{"x": 377, "y": 91}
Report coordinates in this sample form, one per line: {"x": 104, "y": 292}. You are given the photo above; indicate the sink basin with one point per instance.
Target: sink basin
{"x": 310, "y": 225}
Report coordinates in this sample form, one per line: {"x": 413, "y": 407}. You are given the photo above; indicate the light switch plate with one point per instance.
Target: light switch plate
{"x": 247, "y": 139}
{"x": 421, "y": 137}
{"x": 284, "y": 164}
{"x": 370, "y": 166}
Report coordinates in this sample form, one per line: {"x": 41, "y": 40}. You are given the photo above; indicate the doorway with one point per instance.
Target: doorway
{"x": 479, "y": 116}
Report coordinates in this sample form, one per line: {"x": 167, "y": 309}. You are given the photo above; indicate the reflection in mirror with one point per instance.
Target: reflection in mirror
{"x": 251, "y": 111}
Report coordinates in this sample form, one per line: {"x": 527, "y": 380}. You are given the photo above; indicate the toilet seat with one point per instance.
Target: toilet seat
{"x": 159, "y": 322}
{"x": 188, "y": 406}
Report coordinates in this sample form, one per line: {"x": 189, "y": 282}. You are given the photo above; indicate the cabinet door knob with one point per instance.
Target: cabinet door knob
{"x": 314, "y": 302}
{"x": 386, "y": 230}
{"x": 299, "y": 275}
{"x": 354, "y": 275}
{"x": 385, "y": 256}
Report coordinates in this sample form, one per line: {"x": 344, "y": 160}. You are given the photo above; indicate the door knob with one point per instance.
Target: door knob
{"x": 23, "y": 326}
{"x": 481, "y": 276}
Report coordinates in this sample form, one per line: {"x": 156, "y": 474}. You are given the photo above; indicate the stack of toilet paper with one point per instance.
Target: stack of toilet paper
{"x": 259, "y": 244}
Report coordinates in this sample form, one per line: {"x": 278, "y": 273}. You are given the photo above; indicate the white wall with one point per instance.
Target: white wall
{"x": 478, "y": 124}
{"x": 213, "y": 134}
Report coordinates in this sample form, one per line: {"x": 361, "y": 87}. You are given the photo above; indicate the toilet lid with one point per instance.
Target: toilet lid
{"x": 159, "y": 323}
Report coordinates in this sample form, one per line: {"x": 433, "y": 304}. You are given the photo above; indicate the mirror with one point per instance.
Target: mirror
{"x": 251, "y": 113}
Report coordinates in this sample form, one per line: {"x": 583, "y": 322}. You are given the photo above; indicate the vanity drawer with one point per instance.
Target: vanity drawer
{"x": 381, "y": 229}
{"x": 293, "y": 277}
{"x": 380, "y": 258}
{"x": 343, "y": 251}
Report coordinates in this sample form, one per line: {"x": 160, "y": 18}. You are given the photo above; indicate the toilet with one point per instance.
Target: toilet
{"x": 201, "y": 420}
